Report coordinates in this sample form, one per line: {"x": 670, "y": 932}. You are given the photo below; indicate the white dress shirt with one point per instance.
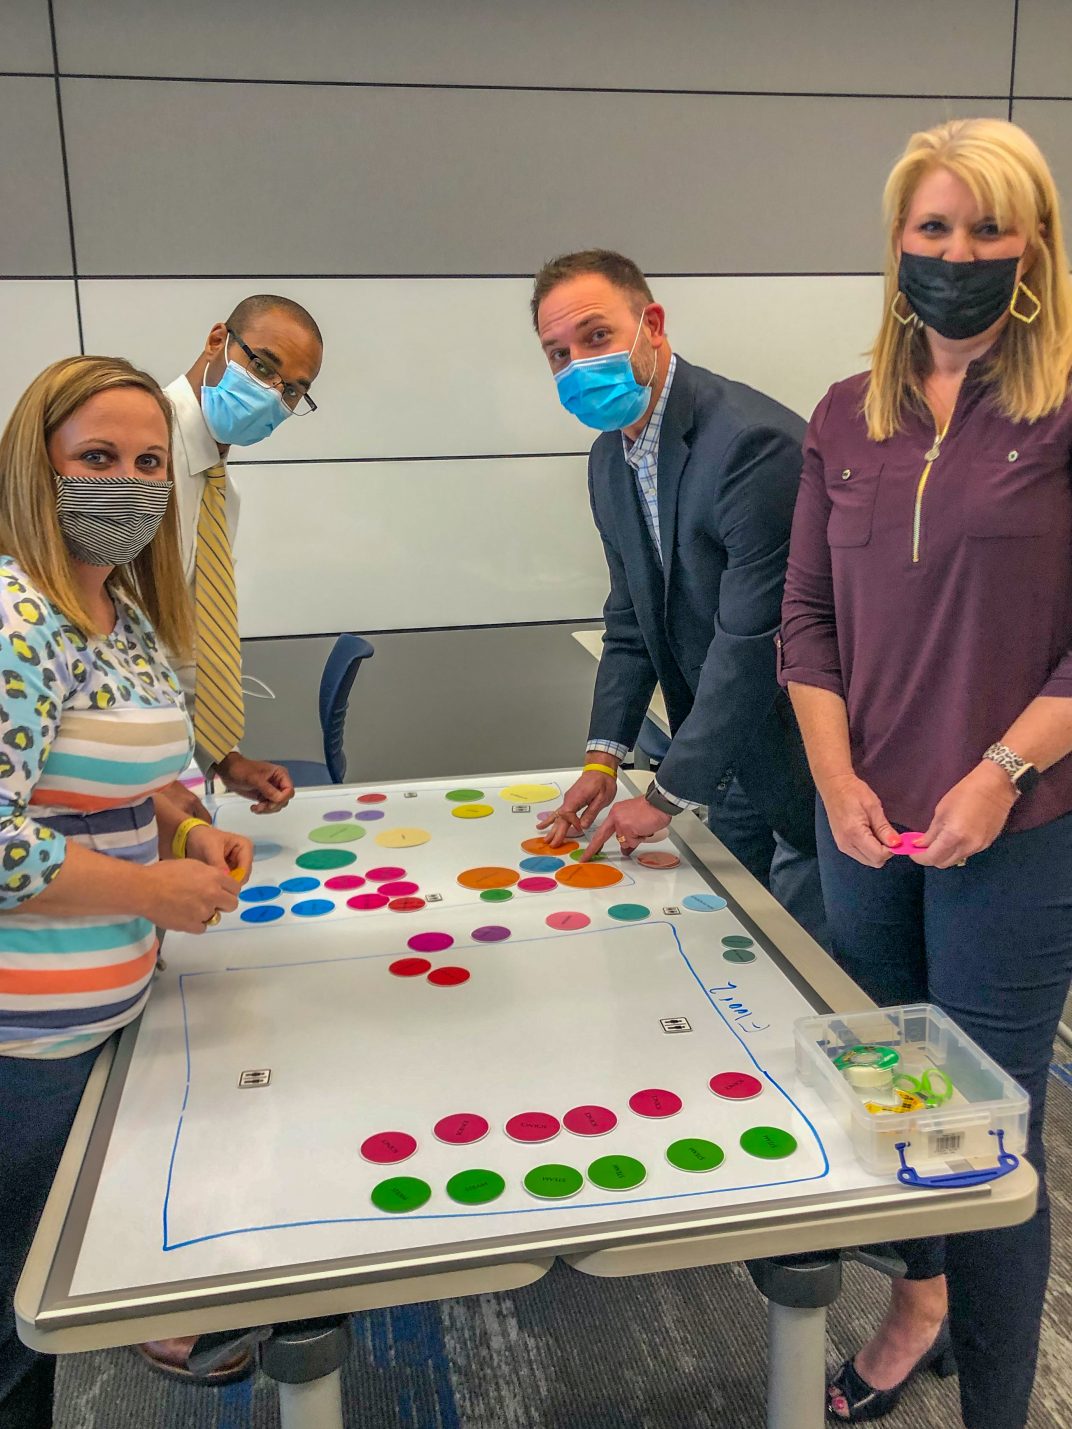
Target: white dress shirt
{"x": 193, "y": 451}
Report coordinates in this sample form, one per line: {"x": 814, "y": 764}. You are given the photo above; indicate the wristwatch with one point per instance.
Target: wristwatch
{"x": 1024, "y": 776}
{"x": 661, "y": 802}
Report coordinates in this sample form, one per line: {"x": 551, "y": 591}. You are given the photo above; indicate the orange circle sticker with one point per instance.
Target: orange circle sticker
{"x": 488, "y": 878}
{"x": 543, "y": 847}
{"x": 589, "y": 875}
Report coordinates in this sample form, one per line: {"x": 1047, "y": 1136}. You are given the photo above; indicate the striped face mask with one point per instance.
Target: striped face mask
{"x": 109, "y": 520}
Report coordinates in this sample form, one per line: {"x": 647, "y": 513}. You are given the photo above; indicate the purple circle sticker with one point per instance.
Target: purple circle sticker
{"x": 334, "y": 815}
{"x": 491, "y": 933}
{"x": 369, "y": 816}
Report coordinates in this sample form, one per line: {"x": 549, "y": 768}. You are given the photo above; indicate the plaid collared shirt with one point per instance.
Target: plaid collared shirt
{"x": 643, "y": 456}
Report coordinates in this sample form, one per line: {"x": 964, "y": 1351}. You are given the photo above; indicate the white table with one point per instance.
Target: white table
{"x": 55, "y": 1320}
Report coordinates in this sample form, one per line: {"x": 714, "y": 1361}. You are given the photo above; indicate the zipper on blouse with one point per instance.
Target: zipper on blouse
{"x": 930, "y": 456}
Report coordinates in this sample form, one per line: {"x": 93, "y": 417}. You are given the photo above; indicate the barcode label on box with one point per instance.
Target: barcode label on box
{"x": 945, "y": 1143}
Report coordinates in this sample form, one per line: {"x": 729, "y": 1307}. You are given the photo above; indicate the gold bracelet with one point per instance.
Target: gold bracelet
{"x": 182, "y": 833}
{"x": 600, "y": 769}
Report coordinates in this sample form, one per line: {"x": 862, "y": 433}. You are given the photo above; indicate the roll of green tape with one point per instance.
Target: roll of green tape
{"x": 868, "y": 1054}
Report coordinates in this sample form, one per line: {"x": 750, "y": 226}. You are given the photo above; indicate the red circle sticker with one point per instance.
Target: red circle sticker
{"x": 736, "y": 1086}
{"x": 448, "y": 977}
{"x": 409, "y": 967}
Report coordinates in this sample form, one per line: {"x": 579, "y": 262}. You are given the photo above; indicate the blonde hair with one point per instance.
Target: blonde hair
{"x": 29, "y": 524}
{"x": 1010, "y": 179}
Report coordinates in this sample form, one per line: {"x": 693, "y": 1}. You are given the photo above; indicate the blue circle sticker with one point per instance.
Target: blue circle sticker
{"x": 262, "y": 913}
{"x": 703, "y": 902}
{"x": 259, "y": 893}
{"x": 313, "y": 907}
{"x": 299, "y": 885}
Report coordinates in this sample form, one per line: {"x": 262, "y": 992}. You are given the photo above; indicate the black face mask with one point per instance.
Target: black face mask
{"x": 957, "y": 300}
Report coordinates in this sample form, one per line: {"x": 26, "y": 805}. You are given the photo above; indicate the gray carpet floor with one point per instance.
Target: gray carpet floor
{"x": 681, "y": 1351}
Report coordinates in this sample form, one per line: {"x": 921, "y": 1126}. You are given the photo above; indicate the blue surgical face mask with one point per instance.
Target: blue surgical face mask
{"x": 239, "y": 410}
{"x": 602, "y": 392}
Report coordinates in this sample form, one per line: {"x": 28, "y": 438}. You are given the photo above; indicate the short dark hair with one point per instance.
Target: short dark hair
{"x": 261, "y": 304}
{"x": 615, "y": 267}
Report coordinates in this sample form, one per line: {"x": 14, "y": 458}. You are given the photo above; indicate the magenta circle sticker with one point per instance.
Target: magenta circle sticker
{"x": 491, "y": 933}
{"x": 381, "y": 875}
{"x": 387, "y": 1147}
{"x": 537, "y": 885}
{"x": 907, "y": 844}
{"x": 461, "y": 1128}
{"x": 590, "y": 1120}
{"x": 366, "y": 902}
{"x": 533, "y": 1126}
{"x": 736, "y": 1086}
{"x": 655, "y": 1102}
{"x": 409, "y": 967}
{"x": 568, "y": 922}
{"x": 399, "y": 890}
{"x": 430, "y": 942}
{"x": 343, "y": 881}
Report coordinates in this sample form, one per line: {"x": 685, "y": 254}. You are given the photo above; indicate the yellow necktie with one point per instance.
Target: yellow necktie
{"x": 219, "y": 718}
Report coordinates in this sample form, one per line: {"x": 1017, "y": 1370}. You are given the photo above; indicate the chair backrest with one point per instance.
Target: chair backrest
{"x": 340, "y": 672}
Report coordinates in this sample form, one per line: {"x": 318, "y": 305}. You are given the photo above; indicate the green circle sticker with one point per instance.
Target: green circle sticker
{"x": 616, "y": 1173}
{"x": 337, "y": 834}
{"x": 769, "y": 1142}
{"x": 475, "y": 1188}
{"x": 693, "y": 1153}
{"x": 739, "y": 955}
{"x": 553, "y": 1182}
{"x": 737, "y": 940}
{"x": 325, "y": 858}
{"x": 401, "y": 1194}
{"x": 465, "y": 796}
{"x": 497, "y": 895}
{"x": 578, "y": 854}
{"x": 629, "y": 912}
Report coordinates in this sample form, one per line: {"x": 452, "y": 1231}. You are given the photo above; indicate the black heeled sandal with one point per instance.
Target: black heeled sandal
{"x": 863, "y": 1402}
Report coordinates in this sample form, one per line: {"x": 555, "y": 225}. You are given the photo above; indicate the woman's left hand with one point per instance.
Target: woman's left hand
{"x": 969, "y": 818}
{"x": 219, "y": 848}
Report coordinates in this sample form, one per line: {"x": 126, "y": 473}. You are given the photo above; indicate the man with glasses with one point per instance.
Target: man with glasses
{"x": 255, "y": 371}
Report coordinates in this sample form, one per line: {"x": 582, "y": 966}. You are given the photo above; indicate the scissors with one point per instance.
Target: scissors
{"x": 933, "y": 1086}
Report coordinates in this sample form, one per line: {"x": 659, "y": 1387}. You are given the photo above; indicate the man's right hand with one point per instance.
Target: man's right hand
{"x": 857, "y": 820}
{"x": 580, "y": 807}
{"x": 184, "y": 894}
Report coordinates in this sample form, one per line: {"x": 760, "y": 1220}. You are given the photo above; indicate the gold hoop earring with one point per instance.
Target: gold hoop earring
{"x": 1023, "y": 288}
{"x": 904, "y": 321}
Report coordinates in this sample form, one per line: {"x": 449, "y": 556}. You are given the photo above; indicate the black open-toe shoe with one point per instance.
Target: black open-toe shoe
{"x": 851, "y": 1400}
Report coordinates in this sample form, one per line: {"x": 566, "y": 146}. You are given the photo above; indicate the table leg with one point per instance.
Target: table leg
{"x": 796, "y": 1367}
{"x": 317, "y": 1404}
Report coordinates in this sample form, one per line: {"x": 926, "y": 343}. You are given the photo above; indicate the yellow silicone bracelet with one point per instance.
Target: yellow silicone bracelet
{"x": 182, "y": 833}
{"x": 600, "y": 769}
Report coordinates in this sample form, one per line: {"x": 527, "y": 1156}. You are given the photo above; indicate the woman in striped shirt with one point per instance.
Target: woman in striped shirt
{"x": 92, "y": 729}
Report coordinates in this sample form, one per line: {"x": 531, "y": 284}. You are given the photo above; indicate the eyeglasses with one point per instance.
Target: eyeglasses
{"x": 298, "y": 400}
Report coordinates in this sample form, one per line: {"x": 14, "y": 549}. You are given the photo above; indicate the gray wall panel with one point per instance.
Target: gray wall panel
{"x": 1044, "y": 48}
{"x": 853, "y": 46}
{"x": 455, "y": 702}
{"x": 25, "y": 41}
{"x": 427, "y": 181}
{"x": 33, "y": 234}
{"x": 1050, "y": 124}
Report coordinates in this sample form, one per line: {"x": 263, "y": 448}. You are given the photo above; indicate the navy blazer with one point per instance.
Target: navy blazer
{"x": 704, "y": 624}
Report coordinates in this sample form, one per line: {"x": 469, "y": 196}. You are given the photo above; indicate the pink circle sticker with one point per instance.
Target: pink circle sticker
{"x": 590, "y": 1120}
{"x": 430, "y": 942}
{"x": 409, "y": 967}
{"x": 736, "y": 1086}
{"x": 342, "y": 881}
{"x": 537, "y": 885}
{"x": 387, "y": 1147}
{"x": 399, "y": 890}
{"x": 366, "y": 902}
{"x": 461, "y": 1128}
{"x": 655, "y": 1102}
{"x": 533, "y": 1126}
{"x": 381, "y": 875}
{"x": 568, "y": 922}
{"x": 907, "y": 844}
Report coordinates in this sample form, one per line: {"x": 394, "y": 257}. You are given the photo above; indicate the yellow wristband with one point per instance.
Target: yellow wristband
{"x": 182, "y": 833}
{"x": 600, "y": 769}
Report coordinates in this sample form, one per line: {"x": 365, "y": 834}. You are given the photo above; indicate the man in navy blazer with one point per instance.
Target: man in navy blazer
{"x": 692, "y": 486}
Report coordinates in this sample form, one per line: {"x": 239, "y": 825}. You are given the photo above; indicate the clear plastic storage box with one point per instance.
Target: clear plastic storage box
{"x": 958, "y": 1105}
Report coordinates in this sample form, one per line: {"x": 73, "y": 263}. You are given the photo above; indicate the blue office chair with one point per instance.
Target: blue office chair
{"x": 652, "y": 743}
{"x": 340, "y": 672}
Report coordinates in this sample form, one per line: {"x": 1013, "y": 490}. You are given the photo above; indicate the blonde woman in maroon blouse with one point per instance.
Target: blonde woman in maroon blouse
{"x": 927, "y": 647}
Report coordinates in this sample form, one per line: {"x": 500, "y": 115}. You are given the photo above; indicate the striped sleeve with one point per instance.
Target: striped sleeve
{"x": 33, "y": 671}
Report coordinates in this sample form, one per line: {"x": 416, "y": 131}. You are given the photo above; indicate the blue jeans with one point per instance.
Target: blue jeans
{"x": 791, "y": 876}
{"x": 38, "y": 1100}
{"x": 990, "y": 944}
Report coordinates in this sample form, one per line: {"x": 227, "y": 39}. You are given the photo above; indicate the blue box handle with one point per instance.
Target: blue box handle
{"x": 1007, "y": 1162}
